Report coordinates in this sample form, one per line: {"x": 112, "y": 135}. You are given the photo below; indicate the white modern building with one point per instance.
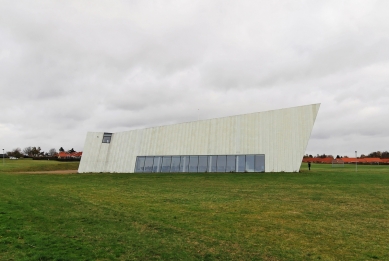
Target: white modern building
{"x": 270, "y": 141}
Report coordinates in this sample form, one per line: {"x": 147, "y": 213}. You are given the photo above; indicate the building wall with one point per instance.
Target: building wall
{"x": 282, "y": 135}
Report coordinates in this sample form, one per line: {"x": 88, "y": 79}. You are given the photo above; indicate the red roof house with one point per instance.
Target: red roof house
{"x": 66, "y": 155}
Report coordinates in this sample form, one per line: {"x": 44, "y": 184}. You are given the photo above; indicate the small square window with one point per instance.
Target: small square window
{"x": 107, "y": 137}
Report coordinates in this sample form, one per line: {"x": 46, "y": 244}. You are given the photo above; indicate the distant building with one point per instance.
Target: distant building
{"x": 345, "y": 160}
{"x": 337, "y": 161}
{"x": 271, "y": 141}
{"x": 67, "y": 155}
{"x": 327, "y": 160}
{"x": 363, "y": 160}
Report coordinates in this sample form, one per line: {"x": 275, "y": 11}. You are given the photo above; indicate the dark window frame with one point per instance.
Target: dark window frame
{"x": 107, "y": 137}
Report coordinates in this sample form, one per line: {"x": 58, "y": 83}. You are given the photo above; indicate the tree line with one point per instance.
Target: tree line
{"x": 35, "y": 152}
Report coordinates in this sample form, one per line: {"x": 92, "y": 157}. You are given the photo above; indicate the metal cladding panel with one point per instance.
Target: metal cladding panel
{"x": 91, "y": 158}
{"x": 282, "y": 135}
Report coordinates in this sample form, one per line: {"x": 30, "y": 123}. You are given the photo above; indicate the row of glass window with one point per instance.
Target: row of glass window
{"x": 214, "y": 163}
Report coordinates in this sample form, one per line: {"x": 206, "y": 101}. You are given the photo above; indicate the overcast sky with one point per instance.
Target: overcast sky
{"x": 68, "y": 67}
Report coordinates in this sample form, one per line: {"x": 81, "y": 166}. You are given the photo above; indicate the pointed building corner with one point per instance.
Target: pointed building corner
{"x": 315, "y": 110}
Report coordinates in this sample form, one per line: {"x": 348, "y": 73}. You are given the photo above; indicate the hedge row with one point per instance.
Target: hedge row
{"x": 55, "y": 158}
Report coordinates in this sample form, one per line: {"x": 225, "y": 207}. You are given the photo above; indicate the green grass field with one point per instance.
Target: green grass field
{"x": 28, "y": 165}
{"x": 324, "y": 214}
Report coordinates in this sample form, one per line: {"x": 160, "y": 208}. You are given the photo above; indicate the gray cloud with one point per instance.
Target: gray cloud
{"x": 68, "y": 67}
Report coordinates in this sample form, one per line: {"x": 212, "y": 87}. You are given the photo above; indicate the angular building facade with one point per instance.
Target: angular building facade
{"x": 270, "y": 141}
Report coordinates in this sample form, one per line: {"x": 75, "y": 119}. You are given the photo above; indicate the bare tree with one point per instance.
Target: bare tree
{"x": 15, "y": 153}
{"x": 35, "y": 152}
{"x": 52, "y": 152}
{"x": 27, "y": 151}
{"x": 376, "y": 154}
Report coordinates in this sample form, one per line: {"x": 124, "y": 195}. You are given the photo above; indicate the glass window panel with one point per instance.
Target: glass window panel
{"x": 213, "y": 163}
{"x": 140, "y": 162}
{"x": 166, "y": 161}
{"x": 193, "y": 163}
{"x": 157, "y": 164}
{"x": 231, "y": 161}
{"x": 221, "y": 163}
{"x": 259, "y": 163}
{"x": 203, "y": 164}
{"x": 106, "y": 139}
{"x": 175, "y": 166}
{"x": 184, "y": 164}
{"x": 148, "y": 164}
{"x": 241, "y": 161}
{"x": 250, "y": 163}
{"x": 209, "y": 163}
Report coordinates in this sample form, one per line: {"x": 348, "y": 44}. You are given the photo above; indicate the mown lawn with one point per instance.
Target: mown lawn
{"x": 325, "y": 214}
{"x": 22, "y": 165}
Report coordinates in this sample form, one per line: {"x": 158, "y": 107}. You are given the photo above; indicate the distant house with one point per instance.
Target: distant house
{"x": 5, "y": 155}
{"x": 327, "y": 160}
{"x": 363, "y": 160}
{"x": 350, "y": 160}
{"x": 77, "y": 154}
{"x": 67, "y": 155}
{"x": 338, "y": 161}
{"x": 370, "y": 161}
{"x": 385, "y": 161}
